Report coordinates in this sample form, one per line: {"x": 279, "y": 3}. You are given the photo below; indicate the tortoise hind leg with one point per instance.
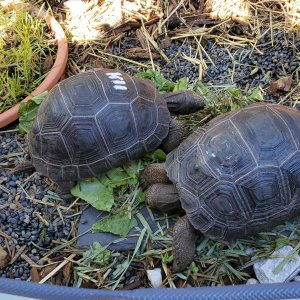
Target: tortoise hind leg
{"x": 184, "y": 245}
{"x": 164, "y": 196}
{"x": 63, "y": 189}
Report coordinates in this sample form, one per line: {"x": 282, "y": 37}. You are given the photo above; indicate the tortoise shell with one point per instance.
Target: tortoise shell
{"x": 242, "y": 174}
{"x": 94, "y": 121}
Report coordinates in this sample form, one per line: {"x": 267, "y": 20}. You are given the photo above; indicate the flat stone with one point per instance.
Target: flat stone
{"x": 264, "y": 269}
{"x": 92, "y": 215}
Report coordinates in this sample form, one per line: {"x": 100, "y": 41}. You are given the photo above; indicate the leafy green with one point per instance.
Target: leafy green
{"x": 119, "y": 224}
{"x": 181, "y": 85}
{"x": 96, "y": 255}
{"x": 99, "y": 191}
{"x": 156, "y": 156}
{"x": 162, "y": 84}
{"x": 28, "y": 111}
{"x": 256, "y": 95}
{"x": 221, "y": 99}
{"x": 95, "y": 193}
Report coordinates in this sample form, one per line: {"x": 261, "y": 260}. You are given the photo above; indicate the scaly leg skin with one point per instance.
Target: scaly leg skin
{"x": 174, "y": 138}
{"x": 63, "y": 189}
{"x": 183, "y": 102}
{"x": 184, "y": 244}
{"x": 163, "y": 197}
{"x": 154, "y": 173}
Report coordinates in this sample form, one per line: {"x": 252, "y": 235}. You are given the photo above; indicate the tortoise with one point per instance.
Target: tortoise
{"x": 237, "y": 177}
{"x": 97, "y": 120}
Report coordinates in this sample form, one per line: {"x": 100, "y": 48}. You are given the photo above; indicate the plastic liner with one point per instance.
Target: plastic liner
{"x": 238, "y": 292}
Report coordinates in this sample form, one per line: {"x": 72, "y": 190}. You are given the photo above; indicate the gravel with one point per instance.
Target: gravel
{"x": 18, "y": 212}
{"x": 245, "y": 66}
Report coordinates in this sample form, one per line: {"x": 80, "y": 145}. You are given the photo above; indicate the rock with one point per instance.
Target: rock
{"x": 252, "y": 281}
{"x": 297, "y": 278}
{"x": 264, "y": 269}
{"x": 155, "y": 277}
{"x": 92, "y": 215}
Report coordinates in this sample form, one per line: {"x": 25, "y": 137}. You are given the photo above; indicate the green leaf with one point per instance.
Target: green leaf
{"x": 159, "y": 155}
{"x": 162, "y": 84}
{"x": 28, "y": 112}
{"x": 118, "y": 224}
{"x": 282, "y": 241}
{"x": 96, "y": 255}
{"x": 181, "y": 85}
{"x": 256, "y": 95}
{"x": 202, "y": 90}
{"x": 116, "y": 177}
{"x": 234, "y": 91}
{"x": 95, "y": 193}
{"x": 133, "y": 169}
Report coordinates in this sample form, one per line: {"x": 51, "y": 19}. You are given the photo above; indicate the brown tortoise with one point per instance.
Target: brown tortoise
{"x": 239, "y": 176}
{"x": 97, "y": 120}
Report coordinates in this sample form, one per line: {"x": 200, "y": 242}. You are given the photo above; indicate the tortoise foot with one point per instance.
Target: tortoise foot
{"x": 154, "y": 173}
{"x": 184, "y": 245}
{"x": 163, "y": 197}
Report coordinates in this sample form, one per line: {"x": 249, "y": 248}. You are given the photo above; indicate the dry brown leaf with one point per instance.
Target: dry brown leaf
{"x": 48, "y": 63}
{"x": 4, "y": 258}
{"x": 281, "y": 85}
{"x": 48, "y": 269}
{"x": 35, "y": 276}
{"x": 67, "y": 272}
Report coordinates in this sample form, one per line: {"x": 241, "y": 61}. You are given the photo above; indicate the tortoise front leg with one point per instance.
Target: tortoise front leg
{"x": 161, "y": 194}
{"x": 163, "y": 197}
{"x": 184, "y": 244}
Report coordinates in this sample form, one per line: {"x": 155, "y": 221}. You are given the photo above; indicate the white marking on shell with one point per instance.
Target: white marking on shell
{"x": 115, "y": 76}
{"x": 119, "y": 82}
{"x": 120, "y": 87}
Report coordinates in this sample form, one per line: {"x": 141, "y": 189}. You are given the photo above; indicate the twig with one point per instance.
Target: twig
{"x": 61, "y": 265}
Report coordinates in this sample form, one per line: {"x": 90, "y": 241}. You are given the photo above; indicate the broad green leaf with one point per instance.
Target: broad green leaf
{"x": 28, "y": 112}
{"x": 116, "y": 177}
{"x": 181, "y": 85}
{"x": 133, "y": 169}
{"x": 95, "y": 193}
{"x": 256, "y": 95}
{"x": 119, "y": 224}
{"x": 162, "y": 84}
